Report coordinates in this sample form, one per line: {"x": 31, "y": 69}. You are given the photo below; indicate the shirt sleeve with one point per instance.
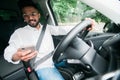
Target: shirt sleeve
{"x": 11, "y": 48}
{"x": 59, "y": 30}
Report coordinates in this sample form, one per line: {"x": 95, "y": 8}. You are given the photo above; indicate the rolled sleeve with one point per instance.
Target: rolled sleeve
{"x": 11, "y": 49}
{"x": 8, "y": 53}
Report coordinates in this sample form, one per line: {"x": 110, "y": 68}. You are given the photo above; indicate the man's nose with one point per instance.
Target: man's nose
{"x": 30, "y": 17}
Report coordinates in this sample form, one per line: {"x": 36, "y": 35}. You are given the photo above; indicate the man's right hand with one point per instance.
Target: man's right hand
{"x": 24, "y": 54}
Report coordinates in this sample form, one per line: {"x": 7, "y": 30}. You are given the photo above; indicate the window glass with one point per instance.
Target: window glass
{"x": 71, "y": 12}
{"x": 7, "y": 15}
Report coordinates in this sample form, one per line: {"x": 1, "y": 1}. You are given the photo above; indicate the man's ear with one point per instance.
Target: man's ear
{"x": 39, "y": 15}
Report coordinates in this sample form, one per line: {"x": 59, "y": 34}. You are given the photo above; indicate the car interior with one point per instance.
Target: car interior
{"x": 89, "y": 56}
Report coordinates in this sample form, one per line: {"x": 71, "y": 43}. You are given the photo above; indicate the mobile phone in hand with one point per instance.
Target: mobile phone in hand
{"x": 32, "y": 48}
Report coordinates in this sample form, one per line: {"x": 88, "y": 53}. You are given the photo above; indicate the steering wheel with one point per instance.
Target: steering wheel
{"x": 86, "y": 55}
{"x": 68, "y": 38}
{"x": 73, "y": 48}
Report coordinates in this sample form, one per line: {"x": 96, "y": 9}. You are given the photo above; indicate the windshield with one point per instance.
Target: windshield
{"x": 71, "y": 12}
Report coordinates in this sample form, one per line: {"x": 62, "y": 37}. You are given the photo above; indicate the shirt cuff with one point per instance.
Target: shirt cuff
{"x": 14, "y": 62}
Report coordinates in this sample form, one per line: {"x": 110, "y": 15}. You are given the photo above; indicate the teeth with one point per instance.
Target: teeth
{"x": 32, "y": 21}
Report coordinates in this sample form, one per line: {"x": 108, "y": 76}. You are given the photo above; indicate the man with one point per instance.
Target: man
{"x": 27, "y": 37}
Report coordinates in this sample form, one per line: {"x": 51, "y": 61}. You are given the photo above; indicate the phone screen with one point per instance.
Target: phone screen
{"x": 32, "y": 48}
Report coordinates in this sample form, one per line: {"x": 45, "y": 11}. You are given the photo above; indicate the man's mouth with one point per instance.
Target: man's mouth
{"x": 32, "y": 21}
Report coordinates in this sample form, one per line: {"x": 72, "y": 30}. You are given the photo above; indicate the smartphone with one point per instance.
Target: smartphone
{"x": 32, "y": 48}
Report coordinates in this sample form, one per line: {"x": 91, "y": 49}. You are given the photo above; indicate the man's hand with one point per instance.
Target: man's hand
{"x": 92, "y": 25}
{"x": 24, "y": 54}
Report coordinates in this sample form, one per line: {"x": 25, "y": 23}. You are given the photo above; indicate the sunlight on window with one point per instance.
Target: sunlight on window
{"x": 71, "y": 12}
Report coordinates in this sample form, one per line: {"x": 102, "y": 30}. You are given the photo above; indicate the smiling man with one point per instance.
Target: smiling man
{"x": 23, "y": 39}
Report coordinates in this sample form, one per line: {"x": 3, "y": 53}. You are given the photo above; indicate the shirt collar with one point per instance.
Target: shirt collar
{"x": 34, "y": 29}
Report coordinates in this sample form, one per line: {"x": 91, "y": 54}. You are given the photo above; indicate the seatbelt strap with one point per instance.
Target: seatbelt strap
{"x": 40, "y": 37}
{"x": 42, "y": 59}
{"x": 42, "y": 34}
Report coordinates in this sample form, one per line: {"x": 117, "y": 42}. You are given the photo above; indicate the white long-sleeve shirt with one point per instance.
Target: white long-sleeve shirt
{"x": 28, "y": 36}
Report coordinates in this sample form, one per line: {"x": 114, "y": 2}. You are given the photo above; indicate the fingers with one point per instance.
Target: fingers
{"x": 92, "y": 24}
{"x": 29, "y": 56}
{"x": 24, "y": 54}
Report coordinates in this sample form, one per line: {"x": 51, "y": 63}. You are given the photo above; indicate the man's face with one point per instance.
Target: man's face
{"x": 31, "y": 16}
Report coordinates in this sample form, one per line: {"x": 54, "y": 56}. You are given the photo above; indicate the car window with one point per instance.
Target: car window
{"x": 7, "y": 15}
{"x": 71, "y": 12}
{"x": 8, "y": 21}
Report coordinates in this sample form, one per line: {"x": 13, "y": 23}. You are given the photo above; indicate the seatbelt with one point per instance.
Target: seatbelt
{"x": 42, "y": 59}
{"x": 41, "y": 37}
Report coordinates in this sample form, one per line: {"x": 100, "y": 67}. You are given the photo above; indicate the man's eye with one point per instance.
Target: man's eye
{"x": 33, "y": 14}
{"x": 25, "y": 15}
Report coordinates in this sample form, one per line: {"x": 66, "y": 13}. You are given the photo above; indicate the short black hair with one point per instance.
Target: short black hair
{"x": 25, "y": 3}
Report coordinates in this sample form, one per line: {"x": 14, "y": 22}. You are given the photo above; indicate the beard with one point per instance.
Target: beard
{"x": 33, "y": 23}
